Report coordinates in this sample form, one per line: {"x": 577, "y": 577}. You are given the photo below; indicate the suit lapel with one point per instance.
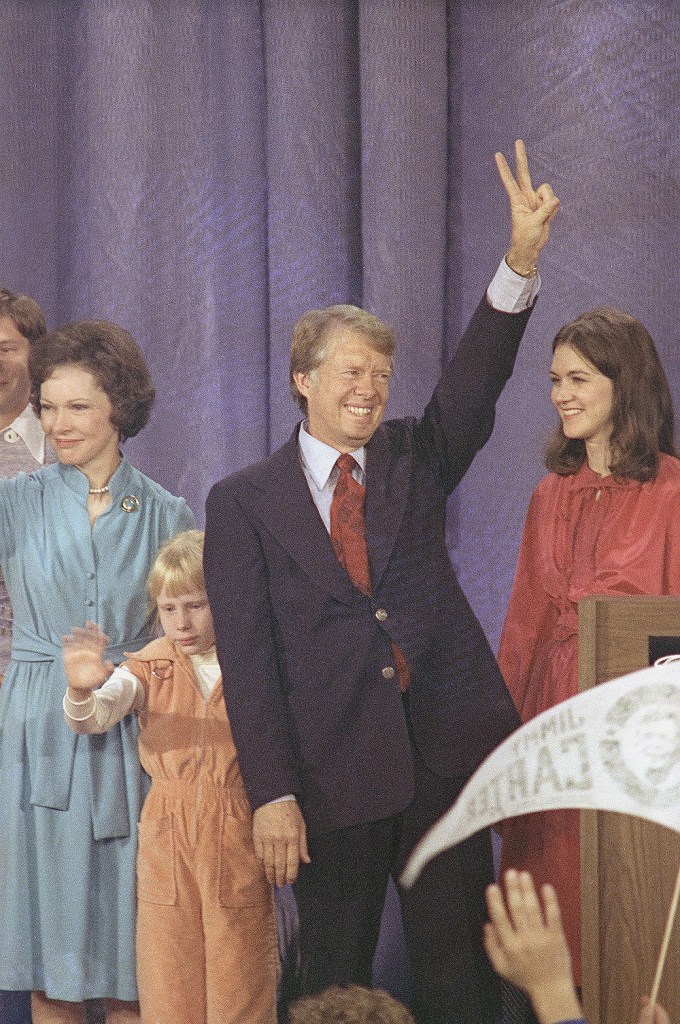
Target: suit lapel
{"x": 282, "y": 500}
{"x": 387, "y": 484}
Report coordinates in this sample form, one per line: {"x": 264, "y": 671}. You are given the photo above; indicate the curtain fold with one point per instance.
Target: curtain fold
{"x": 404, "y": 111}
{"x": 314, "y": 174}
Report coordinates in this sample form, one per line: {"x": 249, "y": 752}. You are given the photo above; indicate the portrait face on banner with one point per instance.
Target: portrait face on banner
{"x": 643, "y": 744}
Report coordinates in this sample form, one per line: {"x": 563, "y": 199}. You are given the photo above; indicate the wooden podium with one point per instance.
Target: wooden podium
{"x": 628, "y": 866}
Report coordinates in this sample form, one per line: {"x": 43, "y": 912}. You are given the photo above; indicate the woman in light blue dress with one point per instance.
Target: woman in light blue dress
{"x": 77, "y": 540}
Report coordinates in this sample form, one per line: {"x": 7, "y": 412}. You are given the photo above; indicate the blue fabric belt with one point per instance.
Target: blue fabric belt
{"x": 53, "y": 748}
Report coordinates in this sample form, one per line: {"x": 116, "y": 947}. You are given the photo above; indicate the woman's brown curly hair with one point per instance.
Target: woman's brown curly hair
{"x": 112, "y": 357}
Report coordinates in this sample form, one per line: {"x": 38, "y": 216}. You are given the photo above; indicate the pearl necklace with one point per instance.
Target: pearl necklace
{"x": 99, "y": 490}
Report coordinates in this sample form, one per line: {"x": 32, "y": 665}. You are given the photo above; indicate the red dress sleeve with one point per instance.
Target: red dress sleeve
{"x": 532, "y": 613}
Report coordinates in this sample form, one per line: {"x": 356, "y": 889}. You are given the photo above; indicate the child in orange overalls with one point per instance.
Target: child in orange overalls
{"x": 206, "y": 933}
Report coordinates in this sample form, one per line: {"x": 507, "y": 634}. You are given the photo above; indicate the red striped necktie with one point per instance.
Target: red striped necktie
{"x": 348, "y": 536}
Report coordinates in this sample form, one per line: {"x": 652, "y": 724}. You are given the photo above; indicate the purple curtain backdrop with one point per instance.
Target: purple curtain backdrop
{"x": 202, "y": 171}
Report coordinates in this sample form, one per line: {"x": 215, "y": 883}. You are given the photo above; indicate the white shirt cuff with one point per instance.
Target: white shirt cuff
{"x": 79, "y": 710}
{"x": 510, "y": 292}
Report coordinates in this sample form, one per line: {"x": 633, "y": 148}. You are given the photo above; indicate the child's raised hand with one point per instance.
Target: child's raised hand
{"x": 525, "y": 943}
{"x": 84, "y": 662}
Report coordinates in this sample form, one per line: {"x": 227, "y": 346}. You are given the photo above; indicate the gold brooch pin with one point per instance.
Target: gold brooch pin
{"x": 130, "y": 503}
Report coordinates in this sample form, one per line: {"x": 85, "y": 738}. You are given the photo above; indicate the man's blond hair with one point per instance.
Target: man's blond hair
{"x": 313, "y": 330}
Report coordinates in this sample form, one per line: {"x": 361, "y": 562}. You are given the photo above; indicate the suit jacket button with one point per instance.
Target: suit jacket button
{"x": 381, "y": 615}
{"x": 388, "y": 672}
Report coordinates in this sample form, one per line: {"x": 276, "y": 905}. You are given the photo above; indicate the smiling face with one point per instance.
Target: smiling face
{"x": 650, "y": 742}
{"x": 15, "y": 385}
{"x": 347, "y": 394}
{"x": 658, "y": 741}
{"x": 187, "y": 620}
{"x": 75, "y": 414}
{"x": 583, "y": 397}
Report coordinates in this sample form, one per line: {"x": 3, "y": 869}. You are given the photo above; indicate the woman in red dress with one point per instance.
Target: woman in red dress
{"x": 605, "y": 520}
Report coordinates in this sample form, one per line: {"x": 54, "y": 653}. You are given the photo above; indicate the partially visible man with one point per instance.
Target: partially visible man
{"x": 362, "y": 692}
{"x": 22, "y": 449}
{"x": 22, "y": 442}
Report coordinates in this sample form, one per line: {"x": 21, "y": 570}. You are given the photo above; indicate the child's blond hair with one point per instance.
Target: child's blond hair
{"x": 178, "y": 566}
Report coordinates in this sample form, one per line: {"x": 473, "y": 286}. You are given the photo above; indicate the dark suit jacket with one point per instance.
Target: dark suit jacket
{"x": 302, "y": 651}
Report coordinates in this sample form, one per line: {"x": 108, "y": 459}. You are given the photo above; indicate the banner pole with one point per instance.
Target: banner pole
{"x": 666, "y": 940}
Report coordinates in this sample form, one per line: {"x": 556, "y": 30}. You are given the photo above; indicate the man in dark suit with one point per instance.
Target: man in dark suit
{"x": 361, "y": 690}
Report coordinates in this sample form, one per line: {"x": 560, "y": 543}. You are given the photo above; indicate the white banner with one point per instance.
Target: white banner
{"x": 615, "y": 747}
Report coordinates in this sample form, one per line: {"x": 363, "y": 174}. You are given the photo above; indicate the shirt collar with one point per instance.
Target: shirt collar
{"x": 27, "y": 426}
{"x": 206, "y": 660}
{"x": 120, "y": 483}
{"x": 319, "y": 458}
